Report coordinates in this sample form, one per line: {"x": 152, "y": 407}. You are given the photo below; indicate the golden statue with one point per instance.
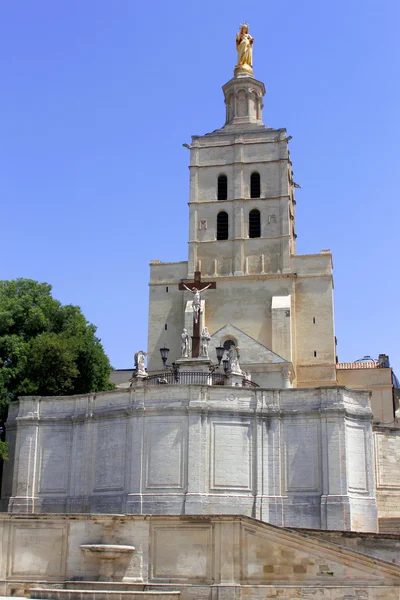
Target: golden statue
{"x": 244, "y": 47}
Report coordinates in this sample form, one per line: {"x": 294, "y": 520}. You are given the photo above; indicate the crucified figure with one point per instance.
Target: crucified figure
{"x": 196, "y": 300}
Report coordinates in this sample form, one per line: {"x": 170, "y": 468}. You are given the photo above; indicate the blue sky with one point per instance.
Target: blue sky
{"x": 98, "y": 97}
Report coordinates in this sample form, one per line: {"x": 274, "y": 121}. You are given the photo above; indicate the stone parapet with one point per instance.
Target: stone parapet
{"x": 292, "y": 457}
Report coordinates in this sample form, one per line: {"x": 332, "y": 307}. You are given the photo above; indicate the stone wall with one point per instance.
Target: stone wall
{"x": 290, "y": 457}
{"x": 204, "y": 557}
{"x": 379, "y": 381}
{"x": 383, "y": 546}
{"x": 387, "y": 467}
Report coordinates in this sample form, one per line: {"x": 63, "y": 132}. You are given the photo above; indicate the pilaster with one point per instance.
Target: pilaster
{"x": 24, "y": 499}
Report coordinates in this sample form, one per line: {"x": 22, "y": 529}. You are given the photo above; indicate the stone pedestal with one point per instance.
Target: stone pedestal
{"x": 199, "y": 365}
{"x": 235, "y": 379}
{"x": 138, "y": 379}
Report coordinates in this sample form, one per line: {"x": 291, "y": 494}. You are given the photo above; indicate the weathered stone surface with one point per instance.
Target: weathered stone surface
{"x": 387, "y": 465}
{"x": 300, "y": 458}
{"x": 208, "y": 556}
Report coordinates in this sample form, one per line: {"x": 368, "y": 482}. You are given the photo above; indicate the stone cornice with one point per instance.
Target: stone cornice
{"x": 239, "y": 162}
{"x": 241, "y": 239}
{"x": 236, "y": 402}
{"x": 255, "y": 277}
{"x": 263, "y": 199}
{"x": 238, "y": 137}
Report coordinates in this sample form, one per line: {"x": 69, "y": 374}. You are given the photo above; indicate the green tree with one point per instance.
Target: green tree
{"x": 46, "y": 349}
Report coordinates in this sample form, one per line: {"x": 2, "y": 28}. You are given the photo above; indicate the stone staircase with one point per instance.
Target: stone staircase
{"x": 96, "y": 590}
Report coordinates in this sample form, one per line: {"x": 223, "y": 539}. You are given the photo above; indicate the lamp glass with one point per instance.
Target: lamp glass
{"x": 220, "y": 352}
{"x": 164, "y": 354}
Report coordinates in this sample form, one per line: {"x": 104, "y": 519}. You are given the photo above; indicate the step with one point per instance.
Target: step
{"x": 121, "y": 586}
{"x": 101, "y": 594}
{"x": 389, "y": 525}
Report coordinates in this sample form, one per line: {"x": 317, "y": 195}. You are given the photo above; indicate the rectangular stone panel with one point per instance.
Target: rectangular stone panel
{"x": 301, "y": 451}
{"x": 37, "y": 551}
{"x": 109, "y": 456}
{"x": 231, "y": 456}
{"x": 25, "y": 456}
{"x": 387, "y": 458}
{"x": 356, "y": 459}
{"x": 54, "y": 459}
{"x": 165, "y": 452}
{"x": 181, "y": 553}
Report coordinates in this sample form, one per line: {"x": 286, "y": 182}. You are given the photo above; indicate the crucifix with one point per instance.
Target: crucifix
{"x": 196, "y": 287}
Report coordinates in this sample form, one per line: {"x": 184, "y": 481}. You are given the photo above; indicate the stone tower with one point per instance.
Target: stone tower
{"x": 276, "y": 305}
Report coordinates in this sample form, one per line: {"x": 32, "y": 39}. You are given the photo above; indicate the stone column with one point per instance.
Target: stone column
{"x": 24, "y": 499}
{"x": 286, "y": 378}
{"x": 335, "y": 509}
{"x": 197, "y": 466}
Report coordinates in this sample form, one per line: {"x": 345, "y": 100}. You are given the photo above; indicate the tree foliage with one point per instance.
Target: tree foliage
{"x": 46, "y": 349}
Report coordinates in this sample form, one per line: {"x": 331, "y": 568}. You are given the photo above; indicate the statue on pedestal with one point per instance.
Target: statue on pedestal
{"x": 185, "y": 344}
{"x": 233, "y": 361}
{"x": 244, "y": 47}
{"x": 205, "y": 342}
{"x": 140, "y": 369}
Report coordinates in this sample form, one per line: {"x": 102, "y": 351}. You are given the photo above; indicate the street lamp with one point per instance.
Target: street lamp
{"x": 174, "y": 367}
{"x": 220, "y": 350}
{"x": 164, "y": 355}
{"x": 220, "y": 353}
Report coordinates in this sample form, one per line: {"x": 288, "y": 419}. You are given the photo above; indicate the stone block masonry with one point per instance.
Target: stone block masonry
{"x": 293, "y": 457}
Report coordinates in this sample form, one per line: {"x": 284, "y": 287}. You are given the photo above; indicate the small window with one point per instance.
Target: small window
{"x": 255, "y": 185}
{"x": 228, "y": 344}
{"x": 222, "y": 187}
{"x": 165, "y": 326}
{"x": 222, "y": 225}
{"x": 166, "y": 289}
{"x": 254, "y": 223}
{"x": 315, "y": 354}
{"x": 313, "y": 320}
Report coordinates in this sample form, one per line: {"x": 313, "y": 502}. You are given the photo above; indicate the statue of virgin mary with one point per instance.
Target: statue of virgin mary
{"x": 244, "y": 47}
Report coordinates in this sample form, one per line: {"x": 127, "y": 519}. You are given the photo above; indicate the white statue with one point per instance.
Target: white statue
{"x": 196, "y": 300}
{"x": 233, "y": 361}
{"x": 204, "y": 343}
{"x": 185, "y": 344}
{"x": 139, "y": 364}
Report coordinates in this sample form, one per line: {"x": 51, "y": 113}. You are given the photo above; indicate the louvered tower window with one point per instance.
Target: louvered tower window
{"x": 254, "y": 223}
{"x": 255, "y": 185}
{"x": 222, "y": 193}
{"x": 222, "y": 226}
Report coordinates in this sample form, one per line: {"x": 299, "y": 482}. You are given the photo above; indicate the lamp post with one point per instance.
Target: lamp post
{"x": 220, "y": 353}
{"x": 219, "y": 350}
{"x": 174, "y": 367}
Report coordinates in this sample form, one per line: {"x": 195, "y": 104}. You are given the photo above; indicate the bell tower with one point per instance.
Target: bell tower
{"x": 275, "y": 305}
{"x": 241, "y": 186}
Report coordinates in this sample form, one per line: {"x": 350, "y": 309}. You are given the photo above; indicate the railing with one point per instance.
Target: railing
{"x": 248, "y": 383}
{"x": 192, "y": 378}
{"x": 358, "y": 365}
{"x": 186, "y": 378}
